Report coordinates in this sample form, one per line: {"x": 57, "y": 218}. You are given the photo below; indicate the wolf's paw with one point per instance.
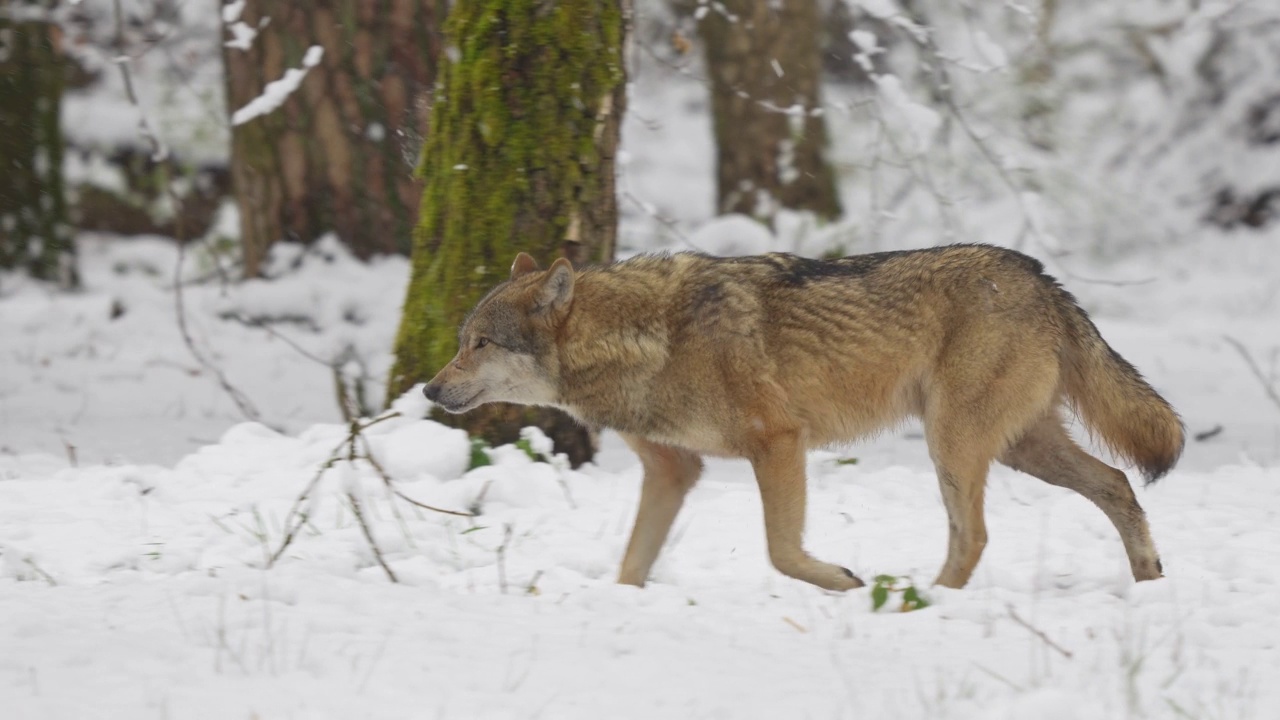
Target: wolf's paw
{"x": 840, "y": 581}
{"x": 857, "y": 581}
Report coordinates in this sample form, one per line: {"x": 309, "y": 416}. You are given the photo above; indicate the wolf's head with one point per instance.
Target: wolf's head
{"x": 506, "y": 345}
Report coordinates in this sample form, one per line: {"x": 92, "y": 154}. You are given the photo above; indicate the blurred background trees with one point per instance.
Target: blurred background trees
{"x": 34, "y": 234}
{"x": 764, "y": 61}
{"x": 1060, "y": 128}
{"x": 337, "y": 154}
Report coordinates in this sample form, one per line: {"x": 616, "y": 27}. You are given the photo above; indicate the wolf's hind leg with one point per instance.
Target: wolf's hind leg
{"x": 779, "y": 467}
{"x": 669, "y": 473}
{"x": 1046, "y": 451}
{"x": 963, "y": 479}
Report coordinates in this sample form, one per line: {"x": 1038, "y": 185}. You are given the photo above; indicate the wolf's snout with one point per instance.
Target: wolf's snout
{"x": 432, "y": 391}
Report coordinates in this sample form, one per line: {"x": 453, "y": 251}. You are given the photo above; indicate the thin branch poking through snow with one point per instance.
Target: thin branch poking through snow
{"x": 1255, "y": 369}
{"x": 241, "y": 400}
{"x": 1038, "y": 633}
{"x": 346, "y": 451}
{"x": 40, "y": 571}
{"x": 502, "y": 558}
{"x": 159, "y": 155}
{"x": 261, "y": 325}
{"x": 368, "y": 535}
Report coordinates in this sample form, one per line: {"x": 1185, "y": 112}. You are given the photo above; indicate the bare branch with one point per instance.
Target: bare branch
{"x": 502, "y": 558}
{"x": 159, "y": 155}
{"x": 386, "y": 479}
{"x": 40, "y": 571}
{"x": 291, "y": 527}
{"x": 368, "y": 535}
{"x": 1255, "y": 369}
{"x": 1038, "y": 633}
{"x": 261, "y": 325}
{"x": 159, "y": 152}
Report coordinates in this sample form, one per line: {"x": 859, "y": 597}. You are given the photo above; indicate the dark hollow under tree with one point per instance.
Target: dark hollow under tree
{"x": 34, "y": 234}
{"x": 764, "y": 58}
{"x": 519, "y": 157}
{"x": 338, "y": 155}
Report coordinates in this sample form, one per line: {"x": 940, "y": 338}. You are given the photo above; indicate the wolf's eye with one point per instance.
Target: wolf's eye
{"x": 482, "y": 342}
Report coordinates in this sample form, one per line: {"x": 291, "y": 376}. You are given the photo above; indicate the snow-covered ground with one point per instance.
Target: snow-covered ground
{"x": 132, "y": 581}
{"x": 138, "y": 507}
{"x": 161, "y": 608}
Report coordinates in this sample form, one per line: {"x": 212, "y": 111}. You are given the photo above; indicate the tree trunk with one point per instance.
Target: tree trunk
{"x": 765, "y": 63}
{"x": 33, "y": 230}
{"x": 519, "y": 156}
{"x": 338, "y": 154}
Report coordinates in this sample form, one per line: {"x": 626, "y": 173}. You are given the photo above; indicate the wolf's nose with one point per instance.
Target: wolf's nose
{"x": 431, "y": 391}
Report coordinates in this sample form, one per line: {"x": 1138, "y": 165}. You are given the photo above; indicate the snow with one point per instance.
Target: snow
{"x": 920, "y": 121}
{"x": 138, "y": 504}
{"x": 136, "y": 574}
{"x": 241, "y": 36}
{"x": 162, "y": 606}
{"x": 231, "y": 11}
{"x": 733, "y": 234}
{"x": 277, "y": 91}
{"x": 881, "y": 9}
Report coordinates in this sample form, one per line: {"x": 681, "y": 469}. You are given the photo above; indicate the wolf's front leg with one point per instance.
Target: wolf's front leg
{"x": 779, "y": 466}
{"x": 668, "y": 474}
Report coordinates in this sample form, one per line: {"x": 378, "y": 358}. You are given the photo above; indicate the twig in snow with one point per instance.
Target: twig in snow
{"x": 1038, "y": 633}
{"x": 368, "y": 535}
{"x": 477, "y": 505}
{"x": 386, "y": 479}
{"x": 799, "y": 628}
{"x": 241, "y": 400}
{"x": 297, "y": 517}
{"x": 71, "y": 453}
{"x": 1253, "y": 368}
{"x": 1209, "y": 434}
{"x": 532, "y": 587}
{"x": 40, "y": 571}
{"x": 502, "y": 558}
{"x": 259, "y": 324}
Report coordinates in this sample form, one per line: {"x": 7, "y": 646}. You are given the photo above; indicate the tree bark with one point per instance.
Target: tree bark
{"x": 765, "y": 63}
{"x": 338, "y": 154}
{"x": 33, "y": 230}
{"x": 519, "y": 156}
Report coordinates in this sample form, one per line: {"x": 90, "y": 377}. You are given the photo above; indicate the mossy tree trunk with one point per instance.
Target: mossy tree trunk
{"x": 519, "y": 157}
{"x": 338, "y": 155}
{"x": 764, "y": 59}
{"x": 33, "y": 230}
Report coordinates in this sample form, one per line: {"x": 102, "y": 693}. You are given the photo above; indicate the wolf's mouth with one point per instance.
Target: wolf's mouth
{"x": 462, "y": 406}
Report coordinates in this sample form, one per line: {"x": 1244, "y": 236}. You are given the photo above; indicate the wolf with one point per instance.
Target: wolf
{"x": 765, "y": 357}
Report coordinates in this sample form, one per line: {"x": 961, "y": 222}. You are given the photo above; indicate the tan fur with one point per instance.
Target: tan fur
{"x": 766, "y": 357}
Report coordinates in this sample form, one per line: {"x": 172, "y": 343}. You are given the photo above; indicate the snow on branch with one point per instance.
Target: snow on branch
{"x": 231, "y": 11}
{"x": 276, "y": 92}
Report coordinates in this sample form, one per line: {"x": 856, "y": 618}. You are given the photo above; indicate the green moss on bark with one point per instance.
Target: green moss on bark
{"x": 511, "y": 156}
{"x": 520, "y": 148}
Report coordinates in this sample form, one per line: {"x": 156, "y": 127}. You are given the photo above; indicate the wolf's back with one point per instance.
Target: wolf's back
{"x": 1114, "y": 401}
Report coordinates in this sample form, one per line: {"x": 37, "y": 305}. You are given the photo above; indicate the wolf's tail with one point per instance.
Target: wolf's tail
{"x": 1114, "y": 401}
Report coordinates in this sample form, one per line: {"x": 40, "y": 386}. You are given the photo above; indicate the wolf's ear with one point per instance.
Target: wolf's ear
{"x": 557, "y": 286}
{"x": 523, "y": 265}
